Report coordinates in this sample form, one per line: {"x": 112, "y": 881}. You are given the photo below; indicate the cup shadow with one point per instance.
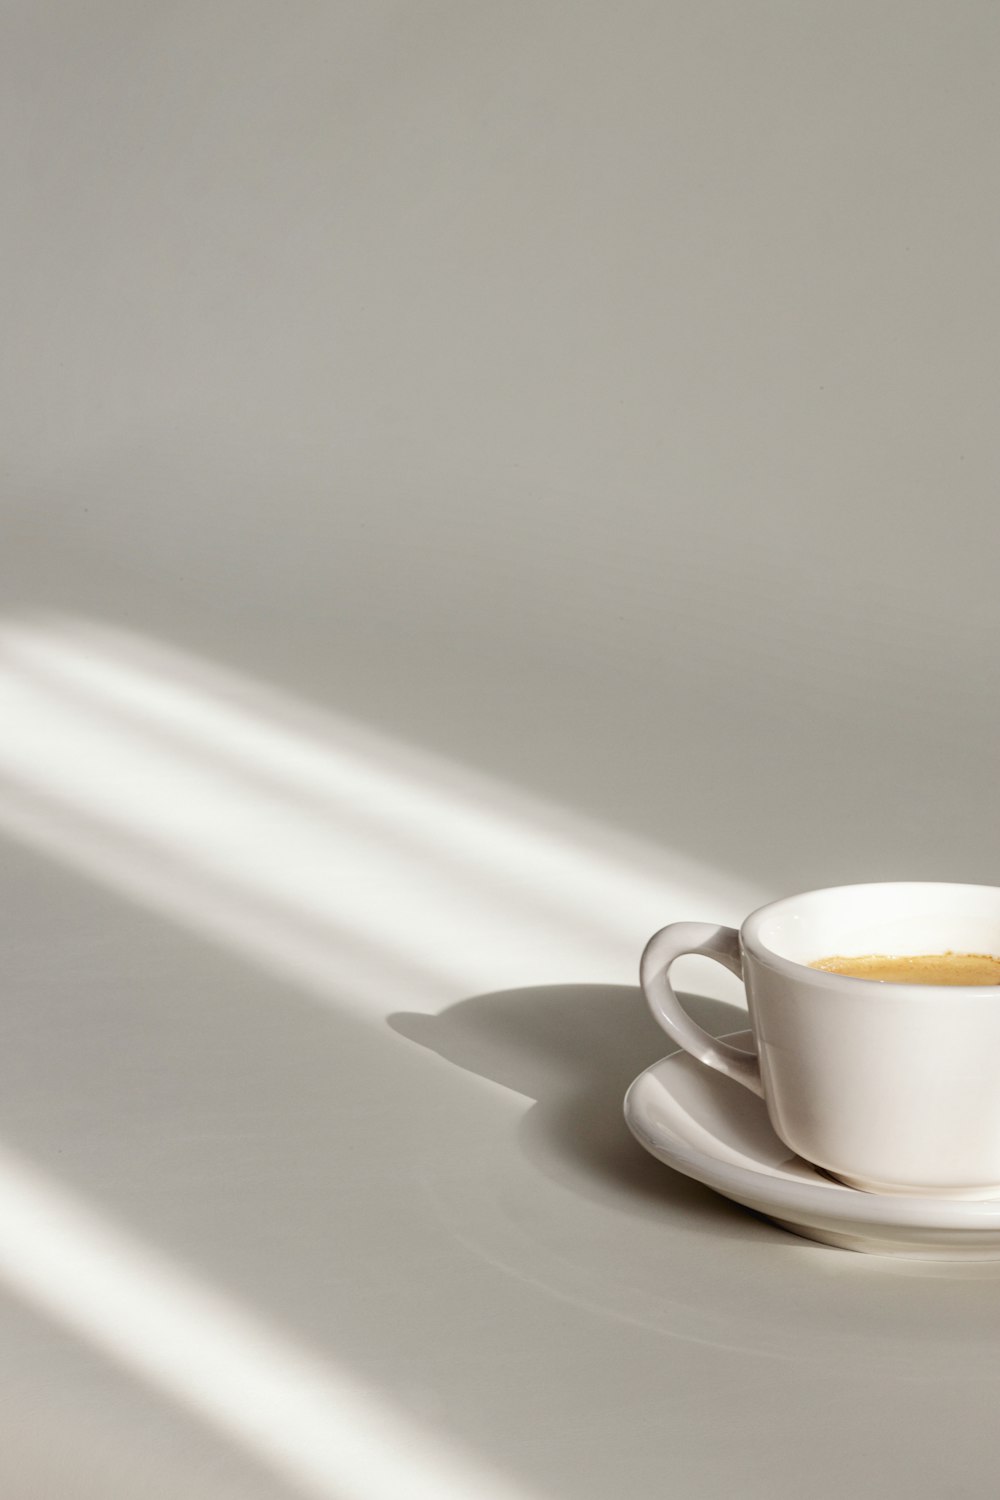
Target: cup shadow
{"x": 574, "y": 1049}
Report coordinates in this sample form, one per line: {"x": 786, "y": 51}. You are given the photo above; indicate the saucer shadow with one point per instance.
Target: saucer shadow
{"x": 575, "y": 1049}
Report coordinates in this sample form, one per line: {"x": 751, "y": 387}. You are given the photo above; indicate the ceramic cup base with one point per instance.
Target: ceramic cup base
{"x": 888, "y": 1189}
{"x": 707, "y": 1127}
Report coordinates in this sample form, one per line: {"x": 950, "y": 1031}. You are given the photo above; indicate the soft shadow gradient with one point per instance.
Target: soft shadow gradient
{"x": 574, "y": 1049}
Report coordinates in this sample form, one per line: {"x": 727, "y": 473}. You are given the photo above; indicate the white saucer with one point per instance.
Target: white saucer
{"x": 716, "y": 1131}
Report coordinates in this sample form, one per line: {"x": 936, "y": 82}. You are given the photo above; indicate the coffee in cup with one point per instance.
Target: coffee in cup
{"x": 916, "y": 968}
{"x": 880, "y": 1063}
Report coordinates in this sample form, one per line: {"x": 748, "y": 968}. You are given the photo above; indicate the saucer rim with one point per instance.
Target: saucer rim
{"x": 822, "y": 1198}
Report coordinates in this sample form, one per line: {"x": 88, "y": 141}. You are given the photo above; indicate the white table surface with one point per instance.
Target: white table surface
{"x": 479, "y": 482}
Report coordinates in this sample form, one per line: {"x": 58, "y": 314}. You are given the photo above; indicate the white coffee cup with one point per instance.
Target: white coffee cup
{"x": 892, "y": 1088}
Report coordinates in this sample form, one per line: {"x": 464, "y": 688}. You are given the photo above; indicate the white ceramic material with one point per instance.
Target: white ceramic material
{"x": 703, "y": 1125}
{"x": 893, "y": 1088}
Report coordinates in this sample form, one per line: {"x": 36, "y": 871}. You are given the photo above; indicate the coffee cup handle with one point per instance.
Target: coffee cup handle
{"x": 722, "y": 944}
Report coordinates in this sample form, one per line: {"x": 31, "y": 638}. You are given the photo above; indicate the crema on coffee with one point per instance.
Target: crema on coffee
{"x": 916, "y": 968}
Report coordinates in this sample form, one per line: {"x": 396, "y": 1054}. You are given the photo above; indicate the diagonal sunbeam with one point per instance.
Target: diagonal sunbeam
{"x": 308, "y": 1422}
{"x": 330, "y": 853}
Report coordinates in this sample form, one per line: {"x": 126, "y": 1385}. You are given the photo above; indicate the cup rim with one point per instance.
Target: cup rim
{"x": 752, "y": 943}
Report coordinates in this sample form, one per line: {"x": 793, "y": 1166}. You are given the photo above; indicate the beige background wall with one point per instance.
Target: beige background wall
{"x": 601, "y": 395}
